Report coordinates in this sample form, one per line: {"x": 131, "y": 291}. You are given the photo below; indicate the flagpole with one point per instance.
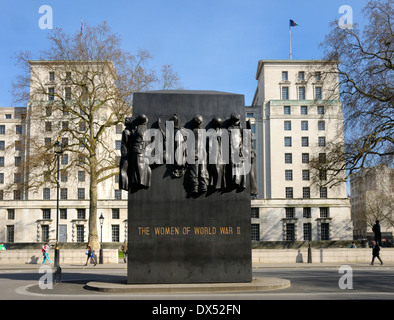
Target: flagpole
{"x": 290, "y": 41}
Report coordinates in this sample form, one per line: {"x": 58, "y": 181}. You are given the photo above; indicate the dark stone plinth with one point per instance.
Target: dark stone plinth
{"x": 177, "y": 238}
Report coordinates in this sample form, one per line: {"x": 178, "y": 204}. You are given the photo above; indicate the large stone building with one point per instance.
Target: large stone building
{"x": 27, "y": 133}
{"x": 372, "y": 198}
{"x": 295, "y": 113}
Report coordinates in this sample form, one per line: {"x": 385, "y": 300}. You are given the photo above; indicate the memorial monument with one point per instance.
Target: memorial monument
{"x": 187, "y": 164}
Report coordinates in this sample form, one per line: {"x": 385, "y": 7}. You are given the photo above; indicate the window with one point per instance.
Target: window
{"x": 305, "y": 175}
{"x": 51, "y": 94}
{"x": 301, "y": 93}
{"x": 321, "y": 125}
{"x": 287, "y": 141}
{"x": 65, "y": 125}
{"x": 18, "y": 195}
{"x": 255, "y": 213}
{"x": 285, "y": 93}
{"x": 289, "y": 175}
{"x": 118, "y": 194}
{"x": 1, "y": 161}
{"x": 18, "y": 129}
{"x": 317, "y": 76}
{"x": 8, "y": 116}
{"x": 289, "y": 192}
{"x": 46, "y": 194}
{"x": 18, "y": 161}
{"x": 64, "y": 158}
{"x": 115, "y": 232}
{"x": 119, "y": 128}
{"x": 304, "y": 141}
{"x": 306, "y": 212}
{"x": 44, "y": 233}
{"x": 304, "y": 125}
{"x": 115, "y": 213}
{"x": 81, "y": 176}
{"x": 322, "y": 158}
{"x": 81, "y": 193}
{"x": 51, "y": 76}
{"x": 2, "y": 129}
{"x": 68, "y": 76}
{"x": 288, "y": 158}
{"x": 286, "y": 110}
{"x": 67, "y": 93}
{"x": 324, "y": 231}
{"x": 320, "y": 110}
{"x": 1, "y": 178}
{"x": 63, "y": 193}
{"x": 307, "y": 231}
{"x": 290, "y": 232}
{"x": 18, "y": 145}
{"x": 11, "y": 214}
{"x": 63, "y": 176}
{"x": 80, "y": 233}
{"x": 306, "y": 192}
{"x": 287, "y": 125}
{"x": 48, "y": 126}
{"x": 118, "y": 144}
{"x": 285, "y": 76}
{"x": 48, "y": 111}
{"x": 301, "y": 75}
{"x": 10, "y": 234}
{"x": 323, "y": 192}
{"x": 2, "y": 145}
{"x": 48, "y": 142}
{"x": 64, "y": 142}
{"x": 63, "y": 214}
{"x": 255, "y": 231}
{"x": 305, "y": 158}
{"x": 318, "y": 93}
{"x": 249, "y": 115}
{"x": 324, "y": 212}
{"x": 322, "y": 141}
{"x": 323, "y": 174}
{"x": 304, "y": 110}
{"x": 46, "y": 214}
{"x": 81, "y": 214}
{"x": 17, "y": 178}
{"x": 289, "y": 213}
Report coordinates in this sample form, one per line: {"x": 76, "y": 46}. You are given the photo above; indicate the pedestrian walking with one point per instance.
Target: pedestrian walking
{"x": 375, "y": 252}
{"x": 377, "y": 233}
{"x": 352, "y": 245}
{"x": 90, "y": 253}
{"x": 45, "y": 253}
{"x": 125, "y": 251}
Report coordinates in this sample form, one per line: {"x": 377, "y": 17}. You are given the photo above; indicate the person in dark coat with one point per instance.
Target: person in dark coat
{"x": 378, "y": 234}
{"x": 375, "y": 252}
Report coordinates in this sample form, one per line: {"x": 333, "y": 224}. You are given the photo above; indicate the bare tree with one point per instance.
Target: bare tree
{"x": 88, "y": 93}
{"x": 364, "y": 57}
{"x": 169, "y": 79}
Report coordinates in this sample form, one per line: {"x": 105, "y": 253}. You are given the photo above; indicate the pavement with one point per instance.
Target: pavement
{"x": 258, "y": 284}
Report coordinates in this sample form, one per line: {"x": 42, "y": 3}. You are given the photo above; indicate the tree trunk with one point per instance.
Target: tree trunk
{"x": 93, "y": 235}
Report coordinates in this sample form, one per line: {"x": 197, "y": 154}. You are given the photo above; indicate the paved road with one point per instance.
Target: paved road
{"x": 308, "y": 282}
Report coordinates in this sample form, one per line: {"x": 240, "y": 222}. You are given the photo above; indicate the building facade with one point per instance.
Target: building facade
{"x": 295, "y": 113}
{"x": 29, "y": 215}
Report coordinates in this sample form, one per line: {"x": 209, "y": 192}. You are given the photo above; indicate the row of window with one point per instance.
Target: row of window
{"x": 290, "y": 212}
{"x": 306, "y": 193}
{"x": 304, "y": 110}
{"x": 321, "y": 125}
{"x": 290, "y": 232}
{"x": 321, "y": 141}
{"x": 18, "y": 129}
{"x": 301, "y": 76}
{"x": 305, "y": 174}
{"x": 301, "y": 93}
{"x": 304, "y": 158}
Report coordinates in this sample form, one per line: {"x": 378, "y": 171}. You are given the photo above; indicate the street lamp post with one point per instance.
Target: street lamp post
{"x": 101, "y": 259}
{"x": 58, "y": 149}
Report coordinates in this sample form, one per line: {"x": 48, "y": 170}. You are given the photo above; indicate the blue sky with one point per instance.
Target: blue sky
{"x": 212, "y": 44}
